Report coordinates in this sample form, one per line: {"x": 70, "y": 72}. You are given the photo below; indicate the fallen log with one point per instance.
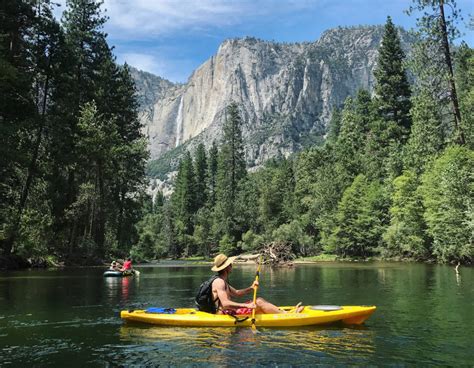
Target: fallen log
{"x": 248, "y": 257}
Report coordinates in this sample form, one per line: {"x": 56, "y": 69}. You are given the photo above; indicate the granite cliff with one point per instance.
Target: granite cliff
{"x": 286, "y": 92}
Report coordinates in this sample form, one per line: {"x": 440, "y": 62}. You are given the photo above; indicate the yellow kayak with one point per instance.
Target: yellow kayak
{"x": 311, "y": 315}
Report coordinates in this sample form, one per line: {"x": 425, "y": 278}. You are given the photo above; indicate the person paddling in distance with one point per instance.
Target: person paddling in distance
{"x": 222, "y": 292}
{"x": 127, "y": 265}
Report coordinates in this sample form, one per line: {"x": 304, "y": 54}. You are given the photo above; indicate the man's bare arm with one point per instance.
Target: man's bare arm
{"x": 241, "y": 292}
{"x": 219, "y": 286}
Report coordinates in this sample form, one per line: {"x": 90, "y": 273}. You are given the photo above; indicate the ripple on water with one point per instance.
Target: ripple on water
{"x": 39, "y": 353}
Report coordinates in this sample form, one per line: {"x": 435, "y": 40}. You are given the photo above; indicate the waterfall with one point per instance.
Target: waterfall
{"x": 179, "y": 121}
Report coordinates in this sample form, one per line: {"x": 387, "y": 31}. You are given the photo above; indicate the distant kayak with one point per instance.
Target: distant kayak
{"x": 112, "y": 273}
{"x": 311, "y": 315}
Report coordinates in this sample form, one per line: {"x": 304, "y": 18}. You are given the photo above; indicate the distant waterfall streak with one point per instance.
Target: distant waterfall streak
{"x": 179, "y": 122}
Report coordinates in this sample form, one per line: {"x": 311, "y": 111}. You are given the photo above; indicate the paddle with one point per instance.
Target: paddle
{"x": 254, "y": 328}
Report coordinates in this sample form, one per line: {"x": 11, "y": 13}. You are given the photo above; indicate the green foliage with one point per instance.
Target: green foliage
{"x": 406, "y": 236}
{"x": 227, "y": 245}
{"x": 184, "y": 196}
{"x": 212, "y": 173}
{"x": 359, "y": 218}
{"x": 203, "y": 236}
{"x": 334, "y": 126}
{"x": 448, "y": 196}
{"x": 294, "y": 234}
{"x": 276, "y": 195}
{"x": 151, "y": 244}
{"x": 251, "y": 241}
{"x": 230, "y": 171}
{"x": 465, "y": 82}
{"x": 73, "y": 175}
{"x": 356, "y": 119}
{"x": 432, "y": 58}
{"x": 427, "y": 136}
{"x": 201, "y": 176}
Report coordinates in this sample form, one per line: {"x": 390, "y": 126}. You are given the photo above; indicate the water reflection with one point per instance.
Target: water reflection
{"x": 120, "y": 287}
{"x": 220, "y": 346}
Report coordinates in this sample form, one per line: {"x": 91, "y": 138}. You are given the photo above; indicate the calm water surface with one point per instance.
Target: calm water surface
{"x": 70, "y": 318}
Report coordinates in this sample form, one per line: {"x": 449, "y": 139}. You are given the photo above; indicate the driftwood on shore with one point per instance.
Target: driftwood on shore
{"x": 278, "y": 253}
{"x": 248, "y": 257}
{"x": 274, "y": 254}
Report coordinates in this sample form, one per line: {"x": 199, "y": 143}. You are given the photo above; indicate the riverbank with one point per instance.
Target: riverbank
{"x": 15, "y": 262}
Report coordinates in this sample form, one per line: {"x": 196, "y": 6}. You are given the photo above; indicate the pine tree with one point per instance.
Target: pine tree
{"x": 448, "y": 196}
{"x": 231, "y": 170}
{"x": 212, "y": 176}
{"x": 201, "y": 176}
{"x": 392, "y": 88}
{"x": 334, "y": 127}
{"x": 427, "y": 134}
{"x": 464, "y": 72}
{"x": 184, "y": 195}
{"x": 433, "y": 60}
{"x": 83, "y": 22}
{"x": 17, "y": 110}
{"x": 356, "y": 120}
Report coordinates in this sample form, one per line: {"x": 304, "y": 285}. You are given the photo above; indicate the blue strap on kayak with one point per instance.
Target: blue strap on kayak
{"x": 161, "y": 310}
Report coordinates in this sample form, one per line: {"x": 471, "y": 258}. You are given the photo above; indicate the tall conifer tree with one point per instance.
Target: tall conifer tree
{"x": 184, "y": 196}
{"x": 17, "y": 110}
{"x": 231, "y": 170}
{"x": 433, "y": 59}
{"x": 212, "y": 177}
{"x": 392, "y": 88}
{"x": 201, "y": 176}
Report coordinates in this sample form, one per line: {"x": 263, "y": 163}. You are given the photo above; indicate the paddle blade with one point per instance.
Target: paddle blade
{"x": 254, "y": 328}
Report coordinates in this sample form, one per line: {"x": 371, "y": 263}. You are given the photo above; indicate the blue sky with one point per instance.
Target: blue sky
{"x": 171, "y": 38}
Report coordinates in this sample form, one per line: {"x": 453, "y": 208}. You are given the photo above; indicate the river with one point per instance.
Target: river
{"x": 70, "y": 318}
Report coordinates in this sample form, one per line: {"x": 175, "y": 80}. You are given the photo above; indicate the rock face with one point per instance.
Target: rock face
{"x": 286, "y": 92}
{"x": 150, "y": 88}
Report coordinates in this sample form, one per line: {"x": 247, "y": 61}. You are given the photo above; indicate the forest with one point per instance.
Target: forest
{"x": 394, "y": 178}
{"x": 72, "y": 155}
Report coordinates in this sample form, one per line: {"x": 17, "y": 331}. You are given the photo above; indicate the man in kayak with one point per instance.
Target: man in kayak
{"x": 222, "y": 292}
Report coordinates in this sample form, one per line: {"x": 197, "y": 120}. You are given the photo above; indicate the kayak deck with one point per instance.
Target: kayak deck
{"x": 309, "y": 316}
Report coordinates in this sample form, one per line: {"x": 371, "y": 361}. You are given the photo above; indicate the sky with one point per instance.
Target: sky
{"x": 171, "y": 38}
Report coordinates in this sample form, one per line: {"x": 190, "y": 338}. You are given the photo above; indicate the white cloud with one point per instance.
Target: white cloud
{"x": 141, "y": 61}
{"x": 176, "y": 70}
{"x": 152, "y": 18}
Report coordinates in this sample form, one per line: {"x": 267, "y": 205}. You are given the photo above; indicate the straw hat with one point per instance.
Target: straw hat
{"x": 222, "y": 261}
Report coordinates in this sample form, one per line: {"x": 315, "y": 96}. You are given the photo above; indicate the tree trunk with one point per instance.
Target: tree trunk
{"x": 100, "y": 226}
{"x": 452, "y": 85}
{"x": 120, "y": 217}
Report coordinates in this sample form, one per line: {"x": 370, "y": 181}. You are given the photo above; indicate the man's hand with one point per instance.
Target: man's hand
{"x": 251, "y": 305}
{"x": 254, "y": 285}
